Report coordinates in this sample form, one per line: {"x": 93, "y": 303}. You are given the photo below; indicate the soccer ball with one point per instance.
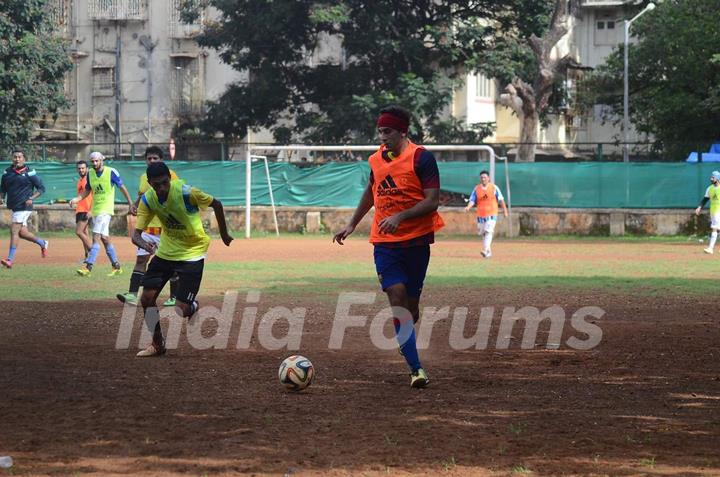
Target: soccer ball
{"x": 296, "y": 372}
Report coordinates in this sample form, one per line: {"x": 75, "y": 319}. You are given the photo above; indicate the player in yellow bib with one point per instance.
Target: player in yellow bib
{"x": 150, "y": 234}
{"x": 183, "y": 245}
{"x": 712, "y": 194}
{"x": 101, "y": 183}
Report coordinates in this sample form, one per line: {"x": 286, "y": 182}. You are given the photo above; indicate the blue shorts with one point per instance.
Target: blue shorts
{"x": 402, "y": 265}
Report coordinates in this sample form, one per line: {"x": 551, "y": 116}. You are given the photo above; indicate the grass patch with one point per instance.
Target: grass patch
{"x": 53, "y": 283}
{"x": 632, "y": 270}
{"x": 520, "y": 469}
{"x": 648, "y": 462}
{"x": 449, "y": 464}
{"x": 517, "y": 429}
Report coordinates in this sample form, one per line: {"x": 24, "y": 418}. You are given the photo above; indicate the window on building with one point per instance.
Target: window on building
{"x": 103, "y": 80}
{"x": 576, "y": 114}
{"x": 605, "y": 32}
{"x": 58, "y": 11}
{"x": 69, "y": 86}
{"x": 187, "y": 88}
{"x": 483, "y": 87}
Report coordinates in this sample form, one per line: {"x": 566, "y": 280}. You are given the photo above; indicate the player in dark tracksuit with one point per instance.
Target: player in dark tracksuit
{"x": 19, "y": 187}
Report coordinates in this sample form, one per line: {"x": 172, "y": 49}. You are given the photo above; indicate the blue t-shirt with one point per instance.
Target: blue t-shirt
{"x": 19, "y": 185}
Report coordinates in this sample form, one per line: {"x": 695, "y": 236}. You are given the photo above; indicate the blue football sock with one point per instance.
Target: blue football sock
{"x": 110, "y": 251}
{"x": 405, "y": 332}
{"x": 11, "y": 253}
{"x": 40, "y": 242}
{"x": 92, "y": 255}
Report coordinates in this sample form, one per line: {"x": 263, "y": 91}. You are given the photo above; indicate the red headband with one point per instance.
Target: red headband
{"x": 387, "y": 120}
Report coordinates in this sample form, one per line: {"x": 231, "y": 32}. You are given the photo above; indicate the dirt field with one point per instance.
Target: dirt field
{"x": 645, "y": 401}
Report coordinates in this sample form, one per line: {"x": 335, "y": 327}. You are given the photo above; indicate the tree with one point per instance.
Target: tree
{"x": 674, "y": 77}
{"x": 522, "y": 59}
{"x": 396, "y": 51}
{"x": 33, "y": 63}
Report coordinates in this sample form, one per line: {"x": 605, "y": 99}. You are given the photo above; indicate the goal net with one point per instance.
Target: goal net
{"x": 262, "y": 152}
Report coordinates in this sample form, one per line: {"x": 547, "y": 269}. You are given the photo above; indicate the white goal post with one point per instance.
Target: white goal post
{"x": 251, "y": 154}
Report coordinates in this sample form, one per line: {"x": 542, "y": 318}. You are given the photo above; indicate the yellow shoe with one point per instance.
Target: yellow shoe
{"x": 83, "y": 272}
{"x": 419, "y": 379}
{"x": 115, "y": 272}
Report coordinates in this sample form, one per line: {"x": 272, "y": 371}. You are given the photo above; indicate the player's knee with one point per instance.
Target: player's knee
{"x": 397, "y": 295}
{"x": 148, "y": 300}
{"x": 185, "y": 309}
{"x": 141, "y": 263}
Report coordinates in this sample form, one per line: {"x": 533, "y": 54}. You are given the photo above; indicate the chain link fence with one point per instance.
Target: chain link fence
{"x": 70, "y": 151}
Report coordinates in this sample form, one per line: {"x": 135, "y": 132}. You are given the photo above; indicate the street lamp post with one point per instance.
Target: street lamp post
{"x": 626, "y": 94}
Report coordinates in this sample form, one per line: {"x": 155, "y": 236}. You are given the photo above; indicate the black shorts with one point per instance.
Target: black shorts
{"x": 81, "y": 217}
{"x": 189, "y": 276}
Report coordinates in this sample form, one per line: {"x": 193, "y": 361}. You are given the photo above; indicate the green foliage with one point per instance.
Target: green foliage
{"x": 508, "y": 54}
{"x": 520, "y": 55}
{"x": 508, "y": 59}
{"x": 427, "y": 98}
{"x": 674, "y": 76}
{"x": 319, "y": 71}
{"x": 329, "y": 14}
{"x": 33, "y": 63}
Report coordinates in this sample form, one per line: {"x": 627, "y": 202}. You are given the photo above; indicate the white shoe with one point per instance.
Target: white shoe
{"x": 151, "y": 350}
{"x": 708, "y": 250}
{"x": 488, "y": 254}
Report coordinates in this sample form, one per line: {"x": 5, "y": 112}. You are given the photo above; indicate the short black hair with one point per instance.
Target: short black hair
{"x": 154, "y": 150}
{"x": 157, "y": 169}
{"x": 16, "y": 150}
{"x": 81, "y": 161}
{"x": 485, "y": 172}
{"x": 397, "y": 111}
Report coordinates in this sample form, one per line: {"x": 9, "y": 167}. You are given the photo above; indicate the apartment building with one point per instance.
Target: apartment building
{"x": 138, "y": 72}
{"x": 592, "y": 37}
{"x": 139, "y": 75}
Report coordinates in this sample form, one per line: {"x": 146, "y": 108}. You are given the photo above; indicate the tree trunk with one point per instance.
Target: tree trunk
{"x": 528, "y": 136}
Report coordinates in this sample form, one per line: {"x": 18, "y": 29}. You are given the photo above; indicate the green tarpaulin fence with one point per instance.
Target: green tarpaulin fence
{"x": 581, "y": 185}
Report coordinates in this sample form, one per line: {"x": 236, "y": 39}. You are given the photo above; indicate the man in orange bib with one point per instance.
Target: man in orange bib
{"x": 82, "y": 211}
{"x": 404, "y": 188}
{"x": 487, "y": 196}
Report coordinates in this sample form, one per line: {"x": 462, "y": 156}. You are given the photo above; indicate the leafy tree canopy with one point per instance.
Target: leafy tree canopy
{"x": 674, "y": 76}
{"x": 521, "y": 57}
{"x": 33, "y": 63}
{"x": 409, "y": 53}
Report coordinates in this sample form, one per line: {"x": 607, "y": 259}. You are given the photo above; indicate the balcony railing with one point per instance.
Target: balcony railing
{"x": 604, "y": 3}
{"x": 118, "y": 10}
{"x": 59, "y": 15}
{"x": 184, "y": 30}
{"x": 179, "y": 29}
